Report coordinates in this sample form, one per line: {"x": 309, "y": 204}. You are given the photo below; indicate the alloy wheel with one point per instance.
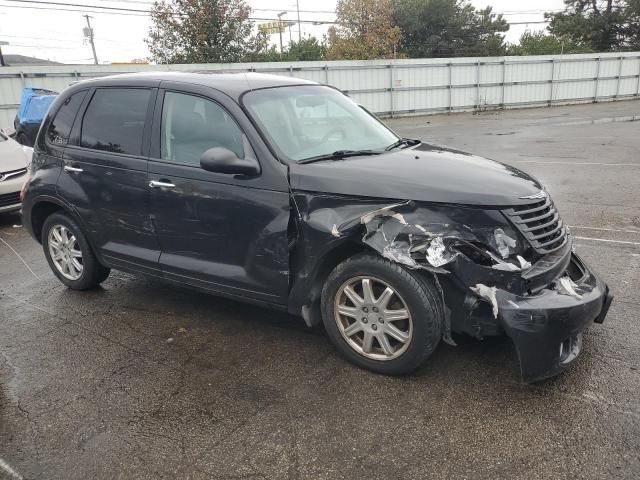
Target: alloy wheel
{"x": 65, "y": 252}
{"x": 373, "y": 318}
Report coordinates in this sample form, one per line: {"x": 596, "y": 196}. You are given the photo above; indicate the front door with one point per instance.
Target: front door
{"x": 105, "y": 176}
{"x": 224, "y": 233}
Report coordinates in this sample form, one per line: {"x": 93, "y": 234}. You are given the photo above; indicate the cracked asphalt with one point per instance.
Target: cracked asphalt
{"x": 139, "y": 379}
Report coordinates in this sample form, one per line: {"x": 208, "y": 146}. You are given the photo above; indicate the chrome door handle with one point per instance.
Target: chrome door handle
{"x": 67, "y": 168}
{"x": 157, "y": 184}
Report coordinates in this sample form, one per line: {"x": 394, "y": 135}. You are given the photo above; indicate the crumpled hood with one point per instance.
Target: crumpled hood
{"x": 426, "y": 173}
{"x": 12, "y": 156}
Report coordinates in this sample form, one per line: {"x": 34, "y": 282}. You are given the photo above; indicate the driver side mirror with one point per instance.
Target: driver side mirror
{"x": 223, "y": 160}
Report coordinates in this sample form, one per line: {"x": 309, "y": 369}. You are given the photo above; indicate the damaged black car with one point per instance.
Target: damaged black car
{"x": 286, "y": 193}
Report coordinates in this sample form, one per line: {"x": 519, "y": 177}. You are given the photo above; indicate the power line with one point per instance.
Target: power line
{"x": 73, "y": 7}
{"x": 111, "y": 10}
{"x": 72, "y": 10}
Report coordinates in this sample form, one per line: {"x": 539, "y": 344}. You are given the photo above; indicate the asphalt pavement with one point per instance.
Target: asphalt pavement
{"x": 142, "y": 380}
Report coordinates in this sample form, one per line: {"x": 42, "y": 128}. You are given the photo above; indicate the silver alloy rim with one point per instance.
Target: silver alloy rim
{"x": 65, "y": 252}
{"x": 373, "y": 318}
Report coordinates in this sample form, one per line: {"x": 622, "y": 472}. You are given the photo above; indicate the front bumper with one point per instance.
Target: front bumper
{"x": 547, "y": 327}
{"x": 10, "y": 208}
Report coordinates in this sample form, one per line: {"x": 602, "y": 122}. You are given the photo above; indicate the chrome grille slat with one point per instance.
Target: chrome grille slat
{"x": 549, "y": 233}
{"x": 544, "y": 216}
{"x": 545, "y": 232}
{"x": 533, "y": 210}
{"x": 555, "y": 218}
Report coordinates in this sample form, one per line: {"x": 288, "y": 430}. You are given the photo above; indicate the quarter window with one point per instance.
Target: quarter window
{"x": 60, "y": 126}
{"x": 114, "y": 121}
{"x": 192, "y": 125}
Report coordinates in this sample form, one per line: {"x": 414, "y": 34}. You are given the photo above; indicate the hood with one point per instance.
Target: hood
{"x": 425, "y": 173}
{"x": 12, "y": 155}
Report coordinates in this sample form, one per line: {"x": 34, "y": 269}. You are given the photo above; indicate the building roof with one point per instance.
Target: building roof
{"x": 12, "y": 60}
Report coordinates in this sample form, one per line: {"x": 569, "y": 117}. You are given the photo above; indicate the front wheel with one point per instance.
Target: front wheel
{"x": 381, "y": 316}
{"x": 69, "y": 254}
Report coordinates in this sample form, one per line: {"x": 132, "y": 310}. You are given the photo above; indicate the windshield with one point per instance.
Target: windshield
{"x": 308, "y": 121}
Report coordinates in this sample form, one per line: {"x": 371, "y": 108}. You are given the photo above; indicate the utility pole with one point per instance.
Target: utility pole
{"x": 2, "y": 64}
{"x": 280, "y": 28}
{"x": 88, "y": 33}
{"x": 299, "y": 24}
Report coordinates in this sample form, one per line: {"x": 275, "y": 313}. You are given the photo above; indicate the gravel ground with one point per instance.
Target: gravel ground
{"x": 144, "y": 380}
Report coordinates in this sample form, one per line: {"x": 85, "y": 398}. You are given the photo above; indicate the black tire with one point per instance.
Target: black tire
{"x": 418, "y": 292}
{"x": 93, "y": 273}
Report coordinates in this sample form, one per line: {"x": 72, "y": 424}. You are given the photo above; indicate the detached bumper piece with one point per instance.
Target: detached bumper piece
{"x": 547, "y": 327}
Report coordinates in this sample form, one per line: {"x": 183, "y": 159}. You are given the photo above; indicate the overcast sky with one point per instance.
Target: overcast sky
{"x": 58, "y": 35}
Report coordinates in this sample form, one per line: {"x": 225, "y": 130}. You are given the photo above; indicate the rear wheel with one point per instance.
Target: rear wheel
{"x": 381, "y": 316}
{"x": 69, "y": 254}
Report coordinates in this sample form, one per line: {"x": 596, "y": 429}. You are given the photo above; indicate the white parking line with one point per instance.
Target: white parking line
{"x": 20, "y": 258}
{"x": 580, "y": 163}
{"x": 607, "y": 241}
{"x": 5, "y": 467}
{"x": 605, "y": 229}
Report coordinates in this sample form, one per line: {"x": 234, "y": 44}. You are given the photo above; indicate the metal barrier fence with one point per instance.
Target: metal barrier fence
{"x": 400, "y": 87}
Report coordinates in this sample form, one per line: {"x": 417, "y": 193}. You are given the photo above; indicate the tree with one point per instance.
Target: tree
{"x": 602, "y": 25}
{"x": 448, "y": 28}
{"x": 364, "y": 31}
{"x": 199, "y": 31}
{"x": 541, "y": 43}
{"x": 307, "y": 49}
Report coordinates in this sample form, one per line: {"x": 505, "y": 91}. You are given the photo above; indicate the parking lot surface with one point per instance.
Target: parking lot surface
{"x": 139, "y": 379}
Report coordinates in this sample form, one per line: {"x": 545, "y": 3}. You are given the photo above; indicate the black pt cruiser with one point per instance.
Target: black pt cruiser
{"x": 286, "y": 193}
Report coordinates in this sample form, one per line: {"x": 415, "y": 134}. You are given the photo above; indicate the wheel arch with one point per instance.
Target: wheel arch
{"x": 44, "y": 207}
{"x": 305, "y": 293}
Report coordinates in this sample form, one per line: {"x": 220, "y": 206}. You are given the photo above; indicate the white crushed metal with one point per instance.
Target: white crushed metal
{"x": 384, "y": 212}
{"x": 399, "y": 254}
{"x": 566, "y": 286}
{"x": 504, "y": 242}
{"x": 489, "y": 294}
{"x": 437, "y": 253}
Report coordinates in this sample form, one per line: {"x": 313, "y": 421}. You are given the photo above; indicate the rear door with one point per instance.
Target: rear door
{"x": 225, "y": 233}
{"x": 105, "y": 175}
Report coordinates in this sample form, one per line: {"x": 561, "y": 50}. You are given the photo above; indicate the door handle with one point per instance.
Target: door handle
{"x": 67, "y": 168}
{"x": 160, "y": 184}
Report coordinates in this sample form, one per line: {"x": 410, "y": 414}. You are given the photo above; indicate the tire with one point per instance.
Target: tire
{"x": 415, "y": 291}
{"x": 92, "y": 272}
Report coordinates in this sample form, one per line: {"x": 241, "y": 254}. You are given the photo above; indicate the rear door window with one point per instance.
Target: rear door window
{"x": 114, "y": 120}
{"x": 60, "y": 126}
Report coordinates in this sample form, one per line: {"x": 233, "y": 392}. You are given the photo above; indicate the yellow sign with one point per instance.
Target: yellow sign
{"x": 272, "y": 27}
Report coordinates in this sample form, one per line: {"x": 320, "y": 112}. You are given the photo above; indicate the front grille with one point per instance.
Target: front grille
{"x": 9, "y": 199}
{"x": 12, "y": 174}
{"x": 540, "y": 223}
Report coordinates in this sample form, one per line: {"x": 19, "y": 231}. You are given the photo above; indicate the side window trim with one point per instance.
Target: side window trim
{"x": 80, "y": 109}
{"x": 74, "y": 138}
{"x": 155, "y": 152}
{"x": 77, "y": 128}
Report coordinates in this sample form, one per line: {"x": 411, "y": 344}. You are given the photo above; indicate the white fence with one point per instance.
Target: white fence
{"x": 401, "y": 87}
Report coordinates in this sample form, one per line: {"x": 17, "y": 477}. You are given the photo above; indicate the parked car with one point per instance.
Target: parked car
{"x": 14, "y": 161}
{"x": 286, "y": 193}
{"x": 34, "y": 104}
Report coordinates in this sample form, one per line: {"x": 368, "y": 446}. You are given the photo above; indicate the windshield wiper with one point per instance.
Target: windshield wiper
{"x": 339, "y": 155}
{"x": 407, "y": 142}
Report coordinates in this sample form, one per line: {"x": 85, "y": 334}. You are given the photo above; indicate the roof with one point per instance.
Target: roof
{"x": 233, "y": 84}
{"x": 12, "y": 60}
